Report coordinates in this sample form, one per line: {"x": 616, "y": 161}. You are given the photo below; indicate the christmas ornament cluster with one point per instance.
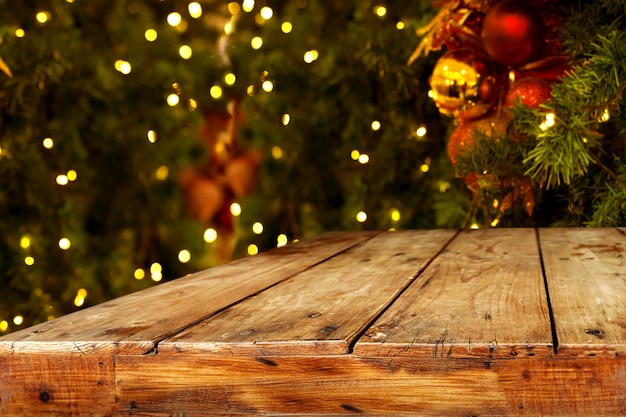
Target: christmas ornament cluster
{"x": 496, "y": 53}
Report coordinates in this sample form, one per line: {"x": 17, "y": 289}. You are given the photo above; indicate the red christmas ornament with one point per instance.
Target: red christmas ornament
{"x": 204, "y": 197}
{"x": 241, "y": 173}
{"x": 462, "y": 138}
{"x": 530, "y": 91}
{"x": 513, "y": 33}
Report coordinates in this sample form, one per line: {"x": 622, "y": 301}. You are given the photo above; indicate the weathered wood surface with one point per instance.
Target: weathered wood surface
{"x": 469, "y": 301}
{"x": 432, "y": 323}
{"x": 134, "y": 324}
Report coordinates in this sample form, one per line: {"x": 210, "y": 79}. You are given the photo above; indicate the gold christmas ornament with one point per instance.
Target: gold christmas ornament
{"x": 463, "y": 84}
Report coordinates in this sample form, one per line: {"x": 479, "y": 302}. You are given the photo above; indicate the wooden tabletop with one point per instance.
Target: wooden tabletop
{"x": 430, "y": 322}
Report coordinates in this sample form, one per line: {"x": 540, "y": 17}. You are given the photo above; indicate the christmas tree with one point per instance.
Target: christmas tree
{"x": 145, "y": 140}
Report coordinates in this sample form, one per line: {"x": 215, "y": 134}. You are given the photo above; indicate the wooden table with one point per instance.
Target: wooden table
{"x": 438, "y": 323}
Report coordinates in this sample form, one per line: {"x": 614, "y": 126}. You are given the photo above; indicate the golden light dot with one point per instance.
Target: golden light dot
{"x": 421, "y": 132}
{"x": 139, "y": 274}
{"x": 29, "y": 260}
{"x": 285, "y": 119}
{"x": 286, "y": 27}
{"x": 395, "y": 215}
{"x": 152, "y": 136}
{"x": 247, "y": 5}
{"x": 173, "y": 99}
{"x": 474, "y": 226}
{"x": 267, "y": 86}
{"x": 150, "y": 35}
{"x": 185, "y": 51}
{"x": 72, "y": 175}
{"x": 25, "y": 242}
{"x": 156, "y": 267}
{"x": 424, "y": 168}
{"x": 364, "y": 158}
{"x": 62, "y": 179}
{"x": 266, "y": 12}
{"x": 605, "y": 116}
{"x": 210, "y": 235}
{"x": 355, "y": 155}
{"x": 495, "y": 222}
{"x": 193, "y": 104}
{"x": 253, "y": 249}
{"x": 19, "y": 32}
{"x": 43, "y": 16}
{"x": 216, "y": 91}
{"x": 310, "y": 56}
{"x": 235, "y": 209}
{"x": 64, "y": 243}
{"x": 361, "y": 216}
{"x": 156, "y": 276}
{"x": 230, "y": 78}
{"x": 277, "y": 152}
{"x": 48, "y": 143}
{"x": 195, "y": 9}
{"x": 229, "y": 27}
{"x": 123, "y": 66}
{"x": 79, "y": 301}
{"x": 250, "y": 90}
{"x": 380, "y": 11}
{"x": 281, "y": 240}
{"x": 257, "y": 228}
{"x": 375, "y": 125}
{"x": 400, "y": 25}
{"x": 256, "y": 42}
{"x": 444, "y": 186}
{"x": 234, "y": 8}
{"x": 82, "y": 292}
{"x": 162, "y": 173}
{"x": 174, "y": 19}
{"x": 184, "y": 256}
{"x": 495, "y": 203}
{"x": 18, "y": 320}
{"x": 50, "y": 317}
{"x": 4, "y": 326}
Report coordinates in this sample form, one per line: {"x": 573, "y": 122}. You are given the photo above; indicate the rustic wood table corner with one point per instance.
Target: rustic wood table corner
{"x": 528, "y": 322}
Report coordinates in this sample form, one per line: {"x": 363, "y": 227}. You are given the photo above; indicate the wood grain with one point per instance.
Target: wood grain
{"x": 586, "y": 274}
{"x": 484, "y": 296}
{"x": 349, "y": 385}
{"x": 321, "y": 310}
{"x": 133, "y": 324}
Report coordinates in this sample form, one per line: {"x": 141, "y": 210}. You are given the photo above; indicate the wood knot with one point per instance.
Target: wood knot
{"x": 599, "y": 333}
{"x": 44, "y": 396}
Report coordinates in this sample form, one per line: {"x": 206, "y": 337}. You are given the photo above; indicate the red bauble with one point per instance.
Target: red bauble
{"x": 462, "y": 138}
{"x": 513, "y": 33}
{"x": 204, "y": 198}
{"x": 530, "y": 91}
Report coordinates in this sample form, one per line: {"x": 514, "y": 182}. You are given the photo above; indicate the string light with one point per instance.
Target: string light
{"x": 355, "y": 155}
{"x": 43, "y": 16}
{"x": 253, "y": 249}
{"x": 152, "y": 136}
{"x": 549, "y": 122}
{"x": 235, "y": 209}
{"x": 234, "y": 8}
{"x": 173, "y": 100}
{"x": 139, "y": 274}
{"x": 216, "y": 92}
{"x": 18, "y": 320}
{"x": 605, "y": 116}
{"x": 79, "y": 300}
{"x": 420, "y": 132}
{"x": 267, "y": 86}
{"x": 65, "y": 243}
{"x": 375, "y": 125}
{"x": 395, "y": 215}
{"x": 195, "y": 9}
{"x": 248, "y": 5}
{"x": 400, "y": 25}
{"x": 266, "y": 12}
{"x": 380, "y": 11}
{"x": 4, "y": 326}
{"x": 185, "y": 52}
{"x": 48, "y": 143}
{"x": 229, "y": 27}
{"x": 184, "y": 256}
{"x": 150, "y": 35}
{"x": 257, "y": 228}
{"x": 361, "y": 216}
{"x": 286, "y": 27}
{"x": 29, "y": 260}
{"x": 123, "y": 66}
{"x": 174, "y": 19}
{"x": 62, "y": 179}
{"x": 162, "y": 173}
{"x": 230, "y": 78}
{"x": 25, "y": 242}
{"x": 424, "y": 168}
{"x": 310, "y": 56}
{"x": 19, "y": 32}
{"x": 156, "y": 272}
{"x": 277, "y": 152}
{"x": 285, "y": 119}
{"x": 281, "y": 240}
{"x": 256, "y": 42}
{"x": 364, "y": 158}
{"x": 72, "y": 175}
{"x": 474, "y": 226}
{"x": 210, "y": 235}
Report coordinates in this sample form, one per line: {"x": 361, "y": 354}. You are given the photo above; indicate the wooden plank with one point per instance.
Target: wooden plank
{"x": 133, "y": 324}
{"x": 586, "y": 274}
{"x": 348, "y": 385}
{"x": 484, "y": 296}
{"x": 35, "y": 385}
{"x": 321, "y": 310}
